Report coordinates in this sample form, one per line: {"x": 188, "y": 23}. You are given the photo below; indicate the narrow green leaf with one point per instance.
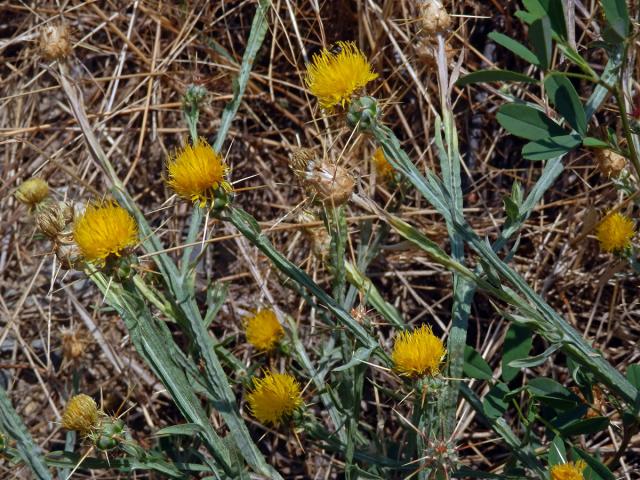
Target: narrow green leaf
{"x": 12, "y": 425}
{"x": 540, "y": 37}
{"x": 586, "y": 426}
{"x": 536, "y": 360}
{"x": 515, "y": 46}
{"x": 633, "y": 374}
{"x": 189, "y": 429}
{"x": 359, "y": 356}
{"x": 564, "y": 97}
{"x": 517, "y": 344}
{"x": 617, "y": 16}
{"x": 591, "y": 142}
{"x": 527, "y": 122}
{"x": 550, "y": 147}
{"x": 494, "y": 403}
{"x": 485, "y": 76}
{"x": 557, "y": 452}
{"x": 475, "y": 366}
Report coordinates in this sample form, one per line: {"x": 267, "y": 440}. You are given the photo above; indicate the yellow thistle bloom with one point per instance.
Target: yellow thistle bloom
{"x": 418, "y": 353}
{"x": 81, "y": 414}
{"x": 615, "y": 232}
{"x": 263, "y": 329}
{"x": 384, "y": 169}
{"x": 196, "y": 172}
{"x": 568, "y": 471}
{"x": 103, "y": 230}
{"x": 33, "y": 191}
{"x": 275, "y": 396}
{"x": 333, "y": 77}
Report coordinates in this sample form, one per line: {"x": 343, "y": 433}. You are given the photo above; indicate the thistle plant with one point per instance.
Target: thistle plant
{"x": 365, "y": 358}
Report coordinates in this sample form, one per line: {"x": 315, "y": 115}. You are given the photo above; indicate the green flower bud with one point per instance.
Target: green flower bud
{"x": 363, "y": 113}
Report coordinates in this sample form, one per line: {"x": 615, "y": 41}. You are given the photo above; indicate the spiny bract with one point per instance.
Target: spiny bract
{"x": 274, "y": 397}
{"x": 263, "y": 330}
{"x": 568, "y": 471}
{"x": 196, "y": 171}
{"x": 103, "y": 230}
{"x": 418, "y": 353}
{"x": 333, "y": 77}
{"x": 615, "y": 232}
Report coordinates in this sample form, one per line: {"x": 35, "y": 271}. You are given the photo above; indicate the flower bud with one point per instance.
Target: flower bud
{"x": 434, "y": 18}
{"x": 54, "y": 41}
{"x": 363, "y": 113}
{"x": 55, "y": 219}
{"x": 610, "y": 163}
{"x": 111, "y": 434}
{"x": 81, "y": 414}
{"x": 32, "y": 192}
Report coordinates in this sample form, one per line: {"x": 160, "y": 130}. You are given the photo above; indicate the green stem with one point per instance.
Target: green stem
{"x": 633, "y": 154}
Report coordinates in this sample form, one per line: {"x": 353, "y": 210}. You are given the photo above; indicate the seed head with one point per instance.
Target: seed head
{"x": 263, "y": 330}
{"x": 32, "y": 192}
{"x": 615, "y": 232}
{"x": 434, "y": 18}
{"x": 568, "y": 471}
{"x": 104, "y": 230}
{"x": 610, "y": 163}
{"x": 330, "y": 183}
{"x": 55, "y": 219}
{"x": 74, "y": 343}
{"x": 335, "y": 75}
{"x": 318, "y": 236}
{"x": 274, "y": 397}
{"x": 55, "y": 41}
{"x": 81, "y": 414}
{"x": 196, "y": 171}
{"x": 418, "y": 353}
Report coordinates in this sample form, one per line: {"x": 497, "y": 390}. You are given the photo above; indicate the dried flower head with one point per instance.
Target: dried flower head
{"x": 196, "y": 171}
{"x": 104, "y": 230}
{"x": 81, "y": 414}
{"x": 74, "y": 343}
{"x": 384, "y": 170}
{"x": 434, "y": 17}
{"x": 55, "y": 219}
{"x": 610, "y": 163}
{"x": 274, "y": 397}
{"x": 54, "y": 41}
{"x": 615, "y": 232}
{"x": 568, "y": 471}
{"x": 317, "y": 235}
{"x": 334, "y": 75}
{"x": 32, "y": 192}
{"x": 418, "y": 353}
{"x": 263, "y": 330}
{"x": 330, "y": 183}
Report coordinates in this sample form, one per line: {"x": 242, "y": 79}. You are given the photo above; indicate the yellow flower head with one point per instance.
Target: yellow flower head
{"x": 263, "y": 329}
{"x": 103, "y": 230}
{"x": 384, "y": 169}
{"x": 418, "y": 353}
{"x": 81, "y": 414}
{"x": 196, "y": 172}
{"x": 334, "y": 76}
{"x": 275, "y": 396}
{"x": 568, "y": 471}
{"x": 33, "y": 191}
{"x": 615, "y": 232}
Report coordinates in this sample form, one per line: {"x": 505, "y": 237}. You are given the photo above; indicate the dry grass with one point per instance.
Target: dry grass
{"x": 133, "y": 61}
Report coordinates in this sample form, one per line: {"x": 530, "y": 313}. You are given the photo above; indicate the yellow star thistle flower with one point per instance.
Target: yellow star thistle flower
{"x": 81, "y": 414}
{"x": 615, "y": 232}
{"x": 263, "y": 330}
{"x": 274, "y": 397}
{"x": 384, "y": 169}
{"x": 196, "y": 172}
{"x": 418, "y": 353}
{"x": 568, "y": 471}
{"x": 103, "y": 230}
{"x": 334, "y": 77}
